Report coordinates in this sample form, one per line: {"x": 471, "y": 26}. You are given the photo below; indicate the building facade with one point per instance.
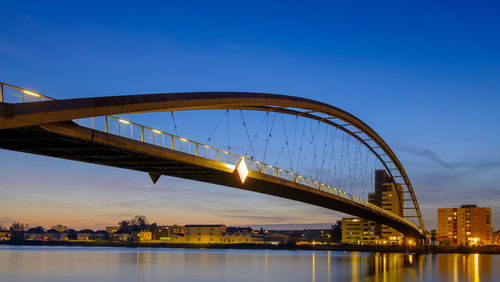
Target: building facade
{"x": 352, "y": 230}
{"x": 467, "y": 225}
{"x": 204, "y": 234}
{"x": 496, "y": 237}
{"x": 85, "y": 235}
{"x": 388, "y": 196}
{"x": 145, "y": 235}
{"x": 4, "y": 235}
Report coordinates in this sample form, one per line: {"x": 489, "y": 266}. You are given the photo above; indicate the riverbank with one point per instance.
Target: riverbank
{"x": 348, "y": 248}
{"x": 392, "y": 249}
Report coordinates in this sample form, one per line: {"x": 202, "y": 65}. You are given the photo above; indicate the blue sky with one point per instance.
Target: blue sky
{"x": 425, "y": 75}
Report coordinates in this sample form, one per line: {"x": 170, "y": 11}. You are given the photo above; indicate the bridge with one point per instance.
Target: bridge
{"x": 34, "y": 123}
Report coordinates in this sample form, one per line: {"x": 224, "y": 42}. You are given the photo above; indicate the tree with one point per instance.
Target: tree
{"x": 336, "y": 232}
{"x": 124, "y": 225}
{"x": 140, "y": 221}
{"x": 71, "y": 234}
{"x": 136, "y": 224}
{"x": 16, "y": 231}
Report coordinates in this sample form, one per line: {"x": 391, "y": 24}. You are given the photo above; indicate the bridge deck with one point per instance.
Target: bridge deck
{"x": 67, "y": 140}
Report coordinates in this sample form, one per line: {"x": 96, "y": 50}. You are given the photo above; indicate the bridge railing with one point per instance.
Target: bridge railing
{"x": 128, "y": 129}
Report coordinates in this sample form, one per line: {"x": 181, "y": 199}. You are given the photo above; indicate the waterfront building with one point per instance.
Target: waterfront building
{"x": 496, "y": 237}
{"x": 36, "y": 233}
{"x": 122, "y": 235}
{"x": 176, "y": 229}
{"x": 163, "y": 230}
{"x": 352, "y": 230}
{"x": 467, "y": 225}
{"x": 145, "y": 235}
{"x": 241, "y": 235}
{"x": 101, "y": 234}
{"x": 69, "y": 234}
{"x": 433, "y": 237}
{"x": 85, "y": 235}
{"x": 204, "y": 234}
{"x": 60, "y": 228}
{"x": 4, "y": 235}
{"x": 388, "y": 196}
{"x": 174, "y": 239}
{"x": 52, "y": 235}
{"x": 134, "y": 235}
{"x": 164, "y": 233}
{"x": 276, "y": 238}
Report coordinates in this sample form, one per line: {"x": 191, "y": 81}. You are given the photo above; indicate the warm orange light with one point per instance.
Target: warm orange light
{"x": 31, "y": 93}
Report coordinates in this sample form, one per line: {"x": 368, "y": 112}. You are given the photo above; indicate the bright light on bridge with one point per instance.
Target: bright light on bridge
{"x": 242, "y": 170}
{"x": 31, "y": 93}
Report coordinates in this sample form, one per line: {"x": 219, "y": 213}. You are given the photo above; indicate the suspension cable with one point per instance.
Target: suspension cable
{"x": 269, "y": 135}
{"x": 300, "y": 148}
{"x": 228, "y": 144}
{"x": 254, "y": 137}
{"x": 286, "y": 141}
{"x": 218, "y": 123}
{"x": 173, "y": 120}
{"x": 248, "y": 135}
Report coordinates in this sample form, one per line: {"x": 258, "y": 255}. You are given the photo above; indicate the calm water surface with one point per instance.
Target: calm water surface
{"x": 27, "y": 263}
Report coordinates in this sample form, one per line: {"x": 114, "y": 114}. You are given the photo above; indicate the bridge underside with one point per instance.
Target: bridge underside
{"x": 67, "y": 140}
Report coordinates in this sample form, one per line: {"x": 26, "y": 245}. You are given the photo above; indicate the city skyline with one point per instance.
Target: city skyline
{"x": 414, "y": 95}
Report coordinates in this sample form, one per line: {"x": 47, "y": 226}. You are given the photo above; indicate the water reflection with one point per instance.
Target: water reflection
{"x": 76, "y": 264}
{"x": 313, "y": 267}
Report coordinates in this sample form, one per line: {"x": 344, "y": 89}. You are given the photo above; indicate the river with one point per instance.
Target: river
{"x": 44, "y": 263}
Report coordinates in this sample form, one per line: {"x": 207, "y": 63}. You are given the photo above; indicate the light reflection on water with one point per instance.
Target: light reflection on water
{"x": 26, "y": 263}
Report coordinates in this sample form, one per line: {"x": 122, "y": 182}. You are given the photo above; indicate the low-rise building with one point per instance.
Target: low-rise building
{"x": 145, "y": 235}
{"x": 101, "y": 234}
{"x": 4, "y": 235}
{"x": 52, "y": 235}
{"x": 36, "y": 233}
{"x": 122, "y": 235}
{"x": 85, "y": 235}
{"x": 276, "y": 238}
{"x": 204, "y": 234}
{"x": 69, "y": 234}
{"x": 174, "y": 239}
{"x": 241, "y": 238}
{"x": 433, "y": 236}
{"x": 496, "y": 237}
{"x": 176, "y": 229}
